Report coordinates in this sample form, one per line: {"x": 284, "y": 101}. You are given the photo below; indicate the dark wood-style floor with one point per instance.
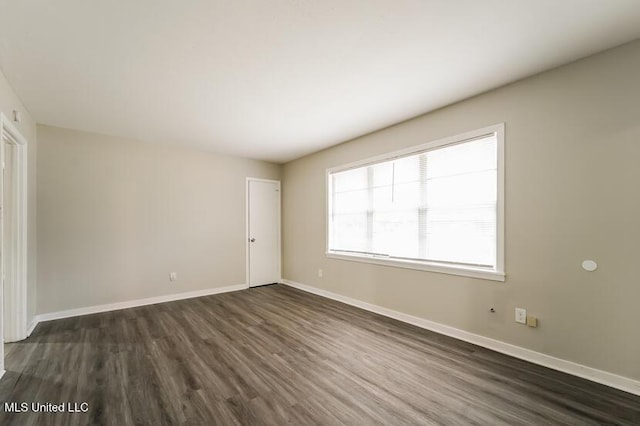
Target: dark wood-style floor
{"x": 276, "y": 355}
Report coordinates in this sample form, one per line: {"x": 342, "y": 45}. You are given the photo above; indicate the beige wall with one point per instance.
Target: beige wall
{"x": 572, "y": 179}
{"x": 27, "y": 127}
{"x": 115, "y": 217}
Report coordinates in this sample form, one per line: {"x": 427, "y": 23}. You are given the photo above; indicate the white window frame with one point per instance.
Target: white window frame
{"x": 495, "y": 274}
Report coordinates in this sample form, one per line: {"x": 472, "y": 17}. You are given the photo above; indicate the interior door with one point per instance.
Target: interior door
{"x": 263, "y": 231}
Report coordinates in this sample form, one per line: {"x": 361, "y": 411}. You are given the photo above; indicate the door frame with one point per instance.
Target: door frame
{"x": 246, "y": 229}
{"x": 16, "y": 291}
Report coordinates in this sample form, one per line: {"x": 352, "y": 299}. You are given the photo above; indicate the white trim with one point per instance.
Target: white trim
{"x": 16, "y": 315}
{"x": 2, "y": 373}
{"x": 12, "y": 131}
{"x": 246, "y": 227}
{"x": 263, "y": 180}
{"x": 485, "y": 274}
{"x": 246, "y": 232}
{"x": 134, "y": 303}
{"x": 32, "y": 326}
{"x": 496, "y": 274}
{"x": 603, "y": 377}
{"x": 500, "y": 250}
{"x": 460, "y": 138}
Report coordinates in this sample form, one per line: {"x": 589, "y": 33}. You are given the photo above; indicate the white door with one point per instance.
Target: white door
{"x": 263, "y": 231}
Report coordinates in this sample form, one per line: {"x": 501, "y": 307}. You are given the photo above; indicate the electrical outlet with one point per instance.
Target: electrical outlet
{"x": 173, "y": 276}
{"x": 521, "y": 315}
{"x": 319, "y": 273}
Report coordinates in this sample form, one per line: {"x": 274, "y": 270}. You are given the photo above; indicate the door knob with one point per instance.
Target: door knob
{"x": 252, "y": 240}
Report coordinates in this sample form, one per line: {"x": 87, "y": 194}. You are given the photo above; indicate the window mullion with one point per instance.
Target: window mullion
{"x": 422, "y": 207}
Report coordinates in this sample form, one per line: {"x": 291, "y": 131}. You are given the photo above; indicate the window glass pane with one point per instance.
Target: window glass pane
{"x": 351, "y": 201}
{"x": 439, "y": 205}
{"x": 462, "y": 235}
{"x": 350, "y": 180}
{"x": 350, "y": 232}
{"x": 462, "y": 190}
{"x": 407, "y": 170}
{"x": 467, "y": 157}
{"x": 396, "y": 233}
{"x": 406, "y": 195}
{"x": 461, "y": 199}
{"x": 382, "y": 174}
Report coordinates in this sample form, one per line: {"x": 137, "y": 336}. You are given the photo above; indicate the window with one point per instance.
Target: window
{"x": 435, "y": 207}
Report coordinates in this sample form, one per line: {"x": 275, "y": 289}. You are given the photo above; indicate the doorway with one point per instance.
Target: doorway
{"x": 263, "y": 232}
{"x": 13, "y": 235}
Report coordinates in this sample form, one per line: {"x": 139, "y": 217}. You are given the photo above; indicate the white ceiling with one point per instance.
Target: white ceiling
{"x": 278, "y": 79}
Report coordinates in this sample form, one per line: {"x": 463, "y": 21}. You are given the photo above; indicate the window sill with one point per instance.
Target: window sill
{"x": 423, "y": 266}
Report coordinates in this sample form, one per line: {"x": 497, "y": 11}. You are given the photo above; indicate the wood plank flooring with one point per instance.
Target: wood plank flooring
{"x": 275, "y": 355}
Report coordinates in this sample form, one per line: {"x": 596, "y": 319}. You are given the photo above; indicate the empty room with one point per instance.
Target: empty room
{"x": 413, "y": 212}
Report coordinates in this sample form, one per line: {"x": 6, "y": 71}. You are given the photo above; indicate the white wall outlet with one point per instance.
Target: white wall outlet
{"x": 521, "y": 315}
{"x": 173, "y": 276}
{"x": 320, "y": 273}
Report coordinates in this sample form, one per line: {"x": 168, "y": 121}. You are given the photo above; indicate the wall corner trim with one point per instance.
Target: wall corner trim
{"x": 603, "y": 377}
{"x": 32, "y": 325}
{"x": 132, "y": 304}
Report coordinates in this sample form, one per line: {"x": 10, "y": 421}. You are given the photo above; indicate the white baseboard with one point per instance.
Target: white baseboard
{"x": 609, "y": 379}
{"x": 132, "y": 304}
{"x": 32, "y": 326}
